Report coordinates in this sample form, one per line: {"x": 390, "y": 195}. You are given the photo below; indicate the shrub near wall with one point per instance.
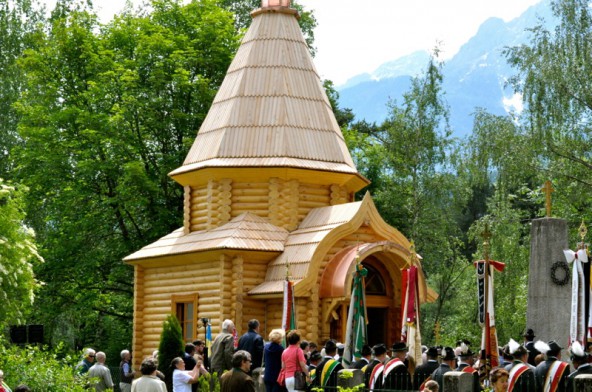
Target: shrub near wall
{"x": 41, "y": 369}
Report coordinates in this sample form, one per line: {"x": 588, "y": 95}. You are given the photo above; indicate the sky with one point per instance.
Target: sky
{"x": 357, "y": 36}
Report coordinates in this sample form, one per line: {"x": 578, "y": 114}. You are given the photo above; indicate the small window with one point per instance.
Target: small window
{"x": 185, "y": 308}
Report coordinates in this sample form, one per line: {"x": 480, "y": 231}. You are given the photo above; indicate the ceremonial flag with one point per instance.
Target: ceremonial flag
{"x": 578, "y": 324}
{"x": 355, "y": 335}
{"x": 208, "y": 335}
{"x": 411, "y": 331}
{"x": 489, "y": 348}
{"x": 289, "y": 313}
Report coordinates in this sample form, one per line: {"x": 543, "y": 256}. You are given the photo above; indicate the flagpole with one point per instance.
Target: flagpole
{"x": 486, "y": 327}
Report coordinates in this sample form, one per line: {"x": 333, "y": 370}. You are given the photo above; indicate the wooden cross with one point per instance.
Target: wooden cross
{"x": 548, "y": 189}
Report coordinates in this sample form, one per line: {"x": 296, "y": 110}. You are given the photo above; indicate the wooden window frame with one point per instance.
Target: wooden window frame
{"x": 177, "y": 299}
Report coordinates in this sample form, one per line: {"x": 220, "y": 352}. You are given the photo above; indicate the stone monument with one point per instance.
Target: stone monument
{"x": 549, "y": 279}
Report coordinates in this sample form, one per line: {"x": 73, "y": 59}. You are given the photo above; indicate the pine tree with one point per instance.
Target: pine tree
{"x": 171, "y": 346}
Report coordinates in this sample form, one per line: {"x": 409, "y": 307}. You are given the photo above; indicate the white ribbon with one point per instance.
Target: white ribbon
{"x": 577, "y": 330}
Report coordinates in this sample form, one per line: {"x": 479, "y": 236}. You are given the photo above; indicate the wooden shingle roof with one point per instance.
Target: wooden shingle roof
{"x": 271, "y": 109}
{"x": 245, "y": 232}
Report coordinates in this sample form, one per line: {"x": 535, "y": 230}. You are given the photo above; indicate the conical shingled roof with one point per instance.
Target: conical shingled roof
{"x": 271, "y": 109}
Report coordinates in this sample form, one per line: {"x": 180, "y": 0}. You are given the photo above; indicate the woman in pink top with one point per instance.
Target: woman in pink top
{"x": 293, "y": 360}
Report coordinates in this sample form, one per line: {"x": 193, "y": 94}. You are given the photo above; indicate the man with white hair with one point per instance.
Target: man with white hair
{"x": 223, "y": 349}
{"x": 87, "y": 361}
{"x": 126, "y": 374}
{"x": 101, "y": 373}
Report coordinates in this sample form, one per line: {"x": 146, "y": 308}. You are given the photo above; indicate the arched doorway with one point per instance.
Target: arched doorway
{"x": 382, "y": 287}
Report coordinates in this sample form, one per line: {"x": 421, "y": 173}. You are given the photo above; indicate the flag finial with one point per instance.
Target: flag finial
{"x": 583, "y": 230}
{"x": 486, "y": 234}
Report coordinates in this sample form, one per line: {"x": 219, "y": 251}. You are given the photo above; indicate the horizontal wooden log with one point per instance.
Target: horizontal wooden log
{"x": 198, "y": 198}
{"x": 264, "y": 191}
{"x": 182, "y": 280}
{"x": 248, "y": 206}
{"x": 207, "y": 266}
{"x": 250, "y": 199}
{"x": 311, "y": 204}
{"x": 312, "y": 198}
{"x": 261, "y": 213}
{"x": 202, "y": 206}
{"x": 312, "y": 189}
{"x": 249, "y": 185}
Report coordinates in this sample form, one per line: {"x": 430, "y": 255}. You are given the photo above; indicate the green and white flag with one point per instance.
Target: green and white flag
{"x": 355, "y": 335}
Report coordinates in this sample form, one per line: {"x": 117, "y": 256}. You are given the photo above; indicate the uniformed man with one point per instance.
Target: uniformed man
{"x": 373, "y": 372}
{"x": 326, "y": 373}
{"x": 448, "y": 363}
{"x": 425, "y": 370}
{"x": 521, "y": 378}
{"x": 529, "y": 344}
{"x": 395, "y": 375}
{"x": 465, "y": 364}
{"x": 579, "y": 359}
{"x": 365, "y": 360}
{"x": 551, "y": 374}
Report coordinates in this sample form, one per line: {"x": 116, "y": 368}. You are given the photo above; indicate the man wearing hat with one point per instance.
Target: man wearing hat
{"x": 529, "y": 344}
{"x": 373, "y": 372}
{"x": 314, "y": 359}
{"x": 551, "y": 374}
{"x": 465, "y": 364}
{"x": 395, "y": 374}
{"x": 579, "y": 360}
{"x": 326, "y": 373}
{"x": 365, "y": 360}
{"x": 425, "y": 370}
{"x": 521, "y": 378}
{"x": 448, "y": 363}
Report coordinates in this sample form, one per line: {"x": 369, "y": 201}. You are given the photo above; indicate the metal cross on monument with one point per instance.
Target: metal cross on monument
{"x": 548, "y": 189}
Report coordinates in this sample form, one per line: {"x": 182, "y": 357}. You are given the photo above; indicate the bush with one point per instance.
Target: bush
{"x": 43, "y": 370}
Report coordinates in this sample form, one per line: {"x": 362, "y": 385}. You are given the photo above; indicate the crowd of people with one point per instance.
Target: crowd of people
{"x": 292, "y": 364}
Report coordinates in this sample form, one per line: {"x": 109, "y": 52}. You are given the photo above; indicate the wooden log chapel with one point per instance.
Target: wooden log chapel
{"x": 269, "y": 190}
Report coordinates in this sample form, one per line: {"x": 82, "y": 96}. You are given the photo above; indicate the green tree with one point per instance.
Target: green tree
{"x": 20, "y": 22}
{"x": 553, "y": 76}
{"x": 18, "y": 253}
{"x": 108, "y": 111}
{"x": 171, "y": 346}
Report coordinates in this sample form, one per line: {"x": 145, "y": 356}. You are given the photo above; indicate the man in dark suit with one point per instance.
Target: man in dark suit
{"x": 529, "y": 344}
{"x": 448, "y": 363}
{"x": 425, "y": 370}
{"x": 579, "y": 359}
{"x": 365, "y": 360}
{"x": 521, "y": 377}
{"x": 552, "y": 370}
{"x": 395, "y": 374}
{"x": 314, "y": 360}
{"x": 252, "y": 343}
{"x": 465, "y": 364}
{"x": 376, "y": 365}
{"x": 326, "y": 373}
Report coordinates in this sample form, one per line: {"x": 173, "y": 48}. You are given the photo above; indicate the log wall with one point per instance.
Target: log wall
{"x": 284, "y": 203}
